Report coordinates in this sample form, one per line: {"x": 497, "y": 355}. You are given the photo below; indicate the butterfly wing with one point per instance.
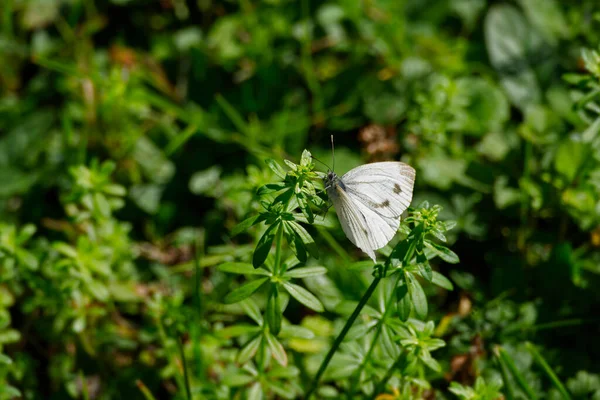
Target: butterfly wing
{"x": 384, "y": 187}
{"x": 370, "y": 200}
{"x": 364, "y": 227}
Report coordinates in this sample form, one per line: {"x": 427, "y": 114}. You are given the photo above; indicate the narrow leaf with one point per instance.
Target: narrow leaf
{"x": 296, "y": 244}
{"x": 244, "y": 291}
{"x": 425, "y": 271}
{"x": 238, "y": 330}
{"x": 521, "y": 380}
{"x": 305, "y": 272}
{"x": 275, "y": 167}
{"x": 273, "y": 311}
{"x": 241, "y": 268}
{"x": 443, "y": 252}
{"x": 270, "y": 188}
{"x": 307, "y": 240}
{"x": 245, "y": 224}
{"x": 442, "y": 281}
{"x": 547, "y": 369}
{"x": 304, "y": 296}
{"x": 404, "y": 303}
{"x": 249, "y": 350}
{"x": 264, "y": 246}
{"x": 251, "y": 309}
{"x": 277, "y": 349}
{"x": 417, "y": 295}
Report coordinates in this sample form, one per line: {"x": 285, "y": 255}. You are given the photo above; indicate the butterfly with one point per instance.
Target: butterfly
{"x": 369, "y": 201}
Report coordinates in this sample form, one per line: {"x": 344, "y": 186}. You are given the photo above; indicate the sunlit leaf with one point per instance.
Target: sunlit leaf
{"x": 304, "y": 296}
{"x": 244, "y": 291}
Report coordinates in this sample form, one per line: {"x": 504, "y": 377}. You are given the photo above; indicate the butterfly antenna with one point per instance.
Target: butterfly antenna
{"x": 333, "y": 153}
{"x": 316, "y": 159}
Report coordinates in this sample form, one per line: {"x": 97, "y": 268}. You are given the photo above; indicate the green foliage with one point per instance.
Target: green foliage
{"x": 157, "y": 242}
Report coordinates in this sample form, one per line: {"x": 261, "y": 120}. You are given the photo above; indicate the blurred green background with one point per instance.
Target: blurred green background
{"x": 133, "y": 136}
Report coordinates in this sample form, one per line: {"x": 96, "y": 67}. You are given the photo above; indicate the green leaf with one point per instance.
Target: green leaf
{"x": 295, "y": 243}
{"x": 147, "y": 197}
{"x": 284, "y": 197}
{"x": 98, "y": 290}
{"x": 5, "y": 360}
{"x": 26, "y": 233}
{"x": 306, "y": 158}
{"x": 305, "y": 272}
{"x": 304, "y": 296}
{"x": 425, "y": 271}
{"x": 244, "y": 291}
{"x": 65, "y": 249}
{"x": 441, "y": 281}
{"x": 153, "y": 162}
{"x": 113, "y": 189}
{"x": 9, "y": 392}
{"x": 307, "y": 240}
{"x": 263, "y": 247}
{"x": 294, "y": 331}
{"x": 241, "y": 268}
{"x": 273, "y": 311}
{"x": 275, "y": 167}
{"x": 509, "y": 40}
{"x": 417, "y": 295}
{"x": 548, "y": 370}
{"x": 205, "y": 182}
{"x": 255, "y": 392}
{"x": 247, "y": 223}
{"x": 425, "y": 356}
{"x": 570, "y": 156}
{"x": 102, "y": 204}
{"x": 238, "y": 330}
{"x": 235, "y": 380}
{"x": 591, "y": 133}
{"x": 443, "y": 252}
{"x": 277, "y": 349}
{"x": 508, "y": 362}
{"x": 251, "y": 309}
{"x": 15, "y": 182}
{"x": 547, "y": 17}
{"x": 404, "y": 303}
{"x": 249, "y": 350}
{"x": 270, "y": 188}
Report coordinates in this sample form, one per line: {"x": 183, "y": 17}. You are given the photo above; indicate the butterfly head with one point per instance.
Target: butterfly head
{"x": 330, "y": 179}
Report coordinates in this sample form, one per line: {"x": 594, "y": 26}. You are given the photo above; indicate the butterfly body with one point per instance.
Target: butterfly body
{"x": 369, "y": 201}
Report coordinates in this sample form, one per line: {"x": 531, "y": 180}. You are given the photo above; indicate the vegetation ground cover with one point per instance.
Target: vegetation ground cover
{"x": 164, "y": 231}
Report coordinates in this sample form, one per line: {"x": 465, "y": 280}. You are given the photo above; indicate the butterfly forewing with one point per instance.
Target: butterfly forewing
{"x": 384, "y": 187}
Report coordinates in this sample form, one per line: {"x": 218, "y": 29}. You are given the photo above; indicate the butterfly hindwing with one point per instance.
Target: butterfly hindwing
{"x": 364, "y": 227}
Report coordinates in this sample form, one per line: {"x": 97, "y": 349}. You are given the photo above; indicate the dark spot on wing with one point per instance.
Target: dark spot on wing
{"x": 385, "y": 203}
{"x": 397, "y": 188}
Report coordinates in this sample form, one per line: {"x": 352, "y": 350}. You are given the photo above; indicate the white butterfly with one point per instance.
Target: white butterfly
{"x": 369, "y": 201}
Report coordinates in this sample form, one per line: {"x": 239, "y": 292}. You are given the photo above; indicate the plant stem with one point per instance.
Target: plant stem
{"x": 340, "y": 338}
{"x": 379, "y": 328}
{"x": 186, "y": 378}
{"x": 145, "y": 391}
{"x": 557, "y": 383}
{"x": 381, "y": 385}
{"x": 172, "y": 358}
{"x": 198, "y": 300}
{"x": 504, "y": 358}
